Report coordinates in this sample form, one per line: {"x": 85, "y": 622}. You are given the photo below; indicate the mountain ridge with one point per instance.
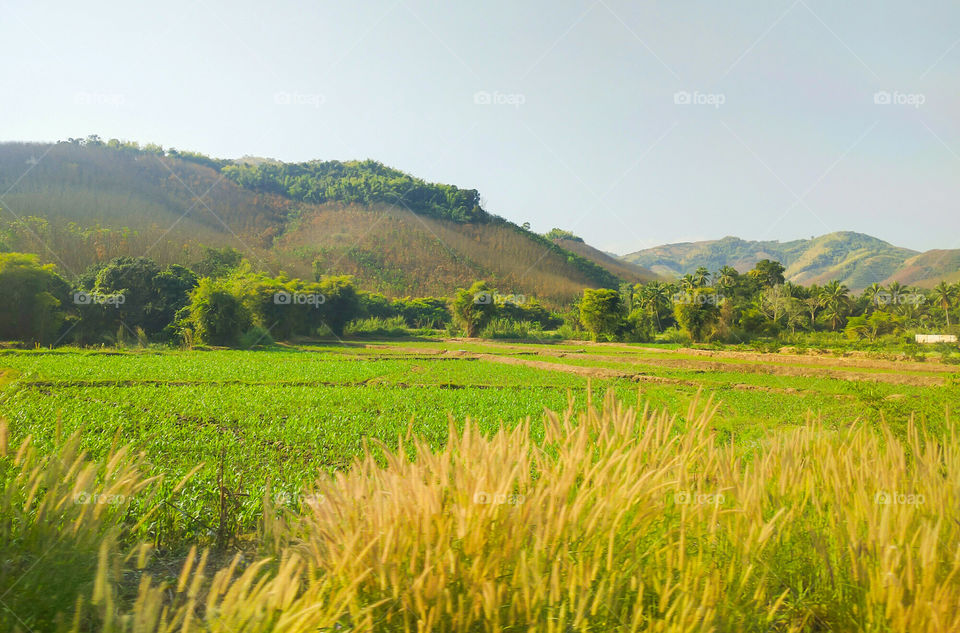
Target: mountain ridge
{"x": 856, "y": 259}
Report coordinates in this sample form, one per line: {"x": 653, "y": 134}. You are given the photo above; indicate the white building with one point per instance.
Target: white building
{"x": 936, "y": 338}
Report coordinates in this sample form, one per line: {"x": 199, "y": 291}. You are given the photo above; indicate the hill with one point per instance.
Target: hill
{"x": 927, "y": 269}
{"x": 856, "y": 259}
{"x": 81, "y": 202}
{"x": 625, "y": 270}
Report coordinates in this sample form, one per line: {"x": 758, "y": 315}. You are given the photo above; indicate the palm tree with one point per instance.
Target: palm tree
{"x": 726, "y": 277}
{"x": 945, "y": 294}
{"x": 687, "y": 283}
{"x": 895, "y": 290}
{"x": 836, "y": 299}
{"x": 701, "y": 276}
{"x": 813, "y": 303}
{"x": 654, "y": 297}
{"x": 873, "y": 292}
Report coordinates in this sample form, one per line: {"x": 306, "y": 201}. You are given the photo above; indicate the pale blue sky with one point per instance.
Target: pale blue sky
{"x": 582, "y": 132}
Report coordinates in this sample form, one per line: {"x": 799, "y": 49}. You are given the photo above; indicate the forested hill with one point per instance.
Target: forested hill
{"x": 83, "y": 201}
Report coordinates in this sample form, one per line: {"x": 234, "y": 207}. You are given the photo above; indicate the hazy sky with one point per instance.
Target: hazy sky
{"x": 568, "y": 114}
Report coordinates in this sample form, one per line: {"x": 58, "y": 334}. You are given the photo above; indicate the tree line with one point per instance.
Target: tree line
{"x": 728, "y": 306}
{"x": 219, "y": 300}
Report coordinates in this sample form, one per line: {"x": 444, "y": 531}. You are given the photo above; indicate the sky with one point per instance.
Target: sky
{"x": 630, "y": 123}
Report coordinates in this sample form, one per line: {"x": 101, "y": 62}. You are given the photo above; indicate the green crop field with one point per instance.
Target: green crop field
{"x": 275, "y": 420}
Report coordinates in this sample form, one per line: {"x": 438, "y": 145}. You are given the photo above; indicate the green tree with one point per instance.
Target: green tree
{"x": 151, "y": 296}
{"x": 34, "y": 297}
{"x": 341, "y": 303}
{"x": 768, "y": 273}
{"x": 655, "y": 299}
{"x": 944, "y": 296}
{"x": 696, "y": 312}
{"x": 218, "y": 262}
{"x": 474, "y": 307}
{"x": 836, "y": 300}
{"x": 701, "y": 277}
{"x": 727, "y": 278}
{"x": 875, "y": 294}
{"x": 600, "y": 311}
{"x": 217, "y": 315}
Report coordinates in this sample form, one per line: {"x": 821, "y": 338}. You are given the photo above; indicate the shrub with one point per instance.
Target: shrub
{"x": 376, "y": 326}
{"x": 473, "y": 308}
{"x": 34, "y": 298}
{"x": 255, "y": 337}
{"x": 216, "y": 315}
{"x": 600, "y": 311}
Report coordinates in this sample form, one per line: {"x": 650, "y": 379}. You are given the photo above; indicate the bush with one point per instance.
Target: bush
{"x": 473, "y": 308}
{"x": 600, "y": 312}
{"x": 255, "y": 337}
{"x": 376, "y": 326}
{"x": 34, "y": 299}
{"x": 216, "y": 315}
{"x": 676, "y": 336}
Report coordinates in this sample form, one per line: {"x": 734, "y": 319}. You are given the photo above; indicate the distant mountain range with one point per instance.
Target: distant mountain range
{"x": 855, "y": 259}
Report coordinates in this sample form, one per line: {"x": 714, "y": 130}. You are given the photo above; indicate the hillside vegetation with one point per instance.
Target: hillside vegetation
{"x": 84, "y": 202}
{"x": 623, "y": 269}
{"x": 854, "y": 259}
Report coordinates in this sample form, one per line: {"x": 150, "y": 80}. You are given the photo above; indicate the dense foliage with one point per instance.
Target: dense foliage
{"x": 730, "y": 307}
{"x": 365, "y": 182}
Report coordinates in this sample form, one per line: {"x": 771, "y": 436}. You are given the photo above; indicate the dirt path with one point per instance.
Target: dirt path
{"x": 768, "y": 364}
{"x": 603, "y": 372}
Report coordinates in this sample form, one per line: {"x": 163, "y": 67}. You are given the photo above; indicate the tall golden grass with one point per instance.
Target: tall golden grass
{"x": 610, "y": 519}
